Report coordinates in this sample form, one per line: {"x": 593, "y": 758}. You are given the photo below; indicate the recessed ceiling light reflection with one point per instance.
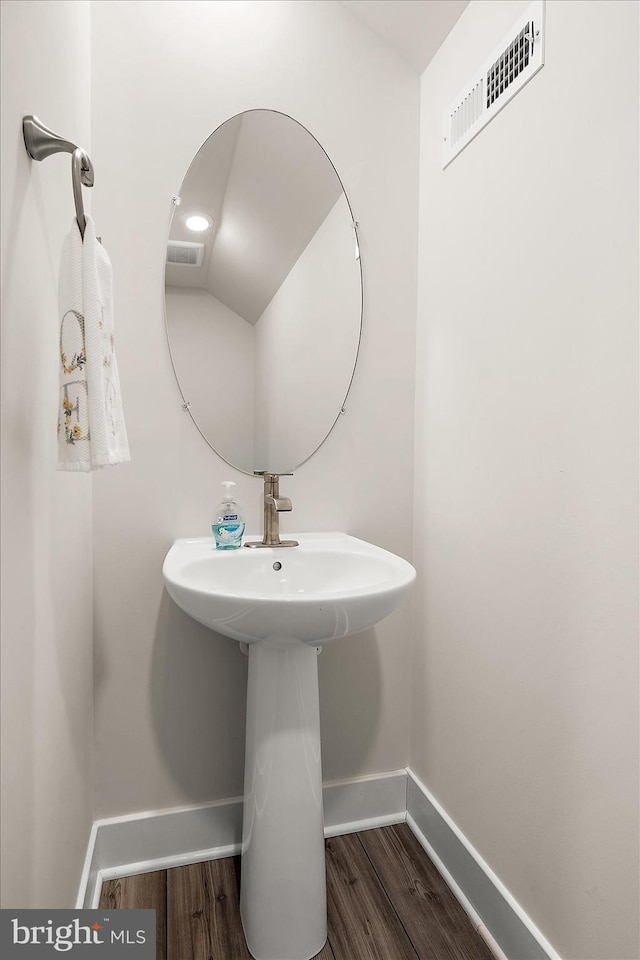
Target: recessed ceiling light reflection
{"x": 198, "y": 222}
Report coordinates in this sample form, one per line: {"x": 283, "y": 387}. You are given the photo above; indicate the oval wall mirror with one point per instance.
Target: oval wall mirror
{"x": 263, "y": 292}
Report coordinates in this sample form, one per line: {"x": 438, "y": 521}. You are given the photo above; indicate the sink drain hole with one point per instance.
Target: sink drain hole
{"x": 277, "y": 565}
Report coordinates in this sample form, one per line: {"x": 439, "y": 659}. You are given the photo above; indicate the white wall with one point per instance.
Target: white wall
{"x": 213, "y": 352}
{"x": 170, "y": 696}
{"x": 525, "y": 692}
{"x": 46, "y": 671}
{"x": 306, "y": 344}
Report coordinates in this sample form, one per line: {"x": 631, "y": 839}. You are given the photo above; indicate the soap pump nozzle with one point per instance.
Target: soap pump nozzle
{"x": 228, "y": 487}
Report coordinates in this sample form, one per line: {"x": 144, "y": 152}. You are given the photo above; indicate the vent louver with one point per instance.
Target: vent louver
{"x": 512, "y": 64}
{"x": 185, "y": 253}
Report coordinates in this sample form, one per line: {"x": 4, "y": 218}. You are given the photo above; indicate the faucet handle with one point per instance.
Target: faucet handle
{"x": 280, "y": 504}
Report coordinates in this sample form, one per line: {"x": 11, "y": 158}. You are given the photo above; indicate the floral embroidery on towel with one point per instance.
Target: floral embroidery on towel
{"x": 73, "y": 414}
{"x": 73, "y": 420}
{"x": 76, "y": 334}
{"x": 107, "y": 344}
{"x": 76, "y": 363}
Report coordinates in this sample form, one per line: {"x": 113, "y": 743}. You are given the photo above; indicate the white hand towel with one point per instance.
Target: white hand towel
{"x": 91, "y": 428}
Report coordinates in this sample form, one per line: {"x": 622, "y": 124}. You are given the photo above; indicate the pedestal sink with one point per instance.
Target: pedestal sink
{"x": 284, "y": 604}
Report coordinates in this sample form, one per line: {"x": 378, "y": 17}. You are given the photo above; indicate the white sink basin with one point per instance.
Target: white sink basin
{"x": 284, "y": 603}
{"x": 329, "y": 586}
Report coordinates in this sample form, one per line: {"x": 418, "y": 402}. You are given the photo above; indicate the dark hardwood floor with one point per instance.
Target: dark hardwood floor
{"x": 385, "y": 901}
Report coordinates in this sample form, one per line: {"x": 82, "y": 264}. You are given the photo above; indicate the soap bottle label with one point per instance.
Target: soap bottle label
{"x": 228, "y": 532}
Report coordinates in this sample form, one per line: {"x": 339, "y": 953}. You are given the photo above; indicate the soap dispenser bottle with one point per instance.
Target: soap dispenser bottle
{"x": 228, "y": 524}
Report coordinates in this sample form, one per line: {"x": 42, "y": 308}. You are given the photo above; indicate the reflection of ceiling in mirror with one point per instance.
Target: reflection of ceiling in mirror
{"x": 268, "y": 185}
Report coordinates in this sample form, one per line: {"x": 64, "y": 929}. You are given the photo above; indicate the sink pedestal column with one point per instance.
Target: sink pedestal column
{"x": 283, "y": 886}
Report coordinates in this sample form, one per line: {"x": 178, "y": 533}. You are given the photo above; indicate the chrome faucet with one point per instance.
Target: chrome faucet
{"x": 274, "y": 505}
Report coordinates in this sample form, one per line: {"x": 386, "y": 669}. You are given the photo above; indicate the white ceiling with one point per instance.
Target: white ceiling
{"x": 414, "y": 28}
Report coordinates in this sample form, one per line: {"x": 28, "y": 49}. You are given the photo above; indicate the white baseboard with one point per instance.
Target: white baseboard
{"x": 159, "y": 840}
{"x": 364, "y": 803}
{"x": 496, "y": 913}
